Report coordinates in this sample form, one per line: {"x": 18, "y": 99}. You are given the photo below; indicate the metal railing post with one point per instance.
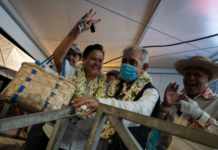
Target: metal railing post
{"x": 4, "y": 111}
{"x": 124, "y": 133}
{"x": 114, "y": 114}
{"x": 95, "y": 133}
{"x": 57, "y": 134}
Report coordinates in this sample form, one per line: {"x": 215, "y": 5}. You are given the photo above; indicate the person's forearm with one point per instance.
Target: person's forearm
{"x": 210, "y": 124}
{"x": 62, "y": 49}
{"x": 163, "y": 112}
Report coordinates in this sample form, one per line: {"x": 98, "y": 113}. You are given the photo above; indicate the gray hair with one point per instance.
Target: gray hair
{"x": 144, "y": 52}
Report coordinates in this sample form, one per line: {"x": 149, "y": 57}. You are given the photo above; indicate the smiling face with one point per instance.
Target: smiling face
{"x": 195, "y": 81}
{"x": 93, "y": 63}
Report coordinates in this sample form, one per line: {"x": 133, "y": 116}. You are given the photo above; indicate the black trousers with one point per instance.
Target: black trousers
{"x": 37, "y": 139}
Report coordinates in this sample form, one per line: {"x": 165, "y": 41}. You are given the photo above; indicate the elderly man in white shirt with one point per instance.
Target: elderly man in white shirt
{"x": 196, "y": 107}
{"x": 133, "y": 92}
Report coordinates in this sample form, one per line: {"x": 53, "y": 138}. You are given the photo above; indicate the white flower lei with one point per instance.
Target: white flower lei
{"x": 97, "y": 89}
{"x": 134, "y": 90}
{"x": 129, "y": 96}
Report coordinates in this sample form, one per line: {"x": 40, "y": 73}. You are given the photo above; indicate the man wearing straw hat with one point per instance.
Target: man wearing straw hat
{"x": 196, "y": 107}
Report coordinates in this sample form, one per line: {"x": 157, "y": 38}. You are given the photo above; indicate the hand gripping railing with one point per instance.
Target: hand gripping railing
{"x": 114, "y": 115}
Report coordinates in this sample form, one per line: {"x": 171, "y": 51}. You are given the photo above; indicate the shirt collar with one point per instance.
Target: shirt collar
{"x": 94, "y": 80}
{"x": 208, "y": 94}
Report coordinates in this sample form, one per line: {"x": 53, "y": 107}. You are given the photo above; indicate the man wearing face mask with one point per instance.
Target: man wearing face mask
{"x": 133, "y": 92}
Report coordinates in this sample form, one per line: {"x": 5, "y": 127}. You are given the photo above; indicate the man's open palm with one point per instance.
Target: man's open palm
{"x": 170, "y": 95}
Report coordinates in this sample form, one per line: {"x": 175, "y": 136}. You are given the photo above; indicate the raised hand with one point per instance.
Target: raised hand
{"x": 89, "y": 19}
{"x": 170, "y": 95}
{"x": 181, "y": 98}
{"x": 184, "y": 97}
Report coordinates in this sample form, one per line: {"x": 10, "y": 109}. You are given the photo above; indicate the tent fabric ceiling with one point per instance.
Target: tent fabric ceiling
{"x": 182, "y": 20}
{"x": 13, "y": 56}
{"x": 51, "y": 21}
{"x": 176, "y": 21}
{"x": 7, "y": 73}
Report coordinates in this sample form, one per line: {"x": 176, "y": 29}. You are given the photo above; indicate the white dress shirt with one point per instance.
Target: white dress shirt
{"x": 144, "y": 105}
{"x": 77, "y": 131}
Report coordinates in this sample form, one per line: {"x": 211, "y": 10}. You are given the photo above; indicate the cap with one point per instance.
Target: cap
{"x": 76, "y": 48}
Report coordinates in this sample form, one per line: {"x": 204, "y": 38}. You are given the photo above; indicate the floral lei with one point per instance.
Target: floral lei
{"x": 136, "y": 87}
{"x": 134, "y": 90}
{"x": 97, "y": 89}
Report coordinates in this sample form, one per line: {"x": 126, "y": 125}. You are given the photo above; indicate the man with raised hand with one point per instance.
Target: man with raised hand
{"x": 195, "y": 107}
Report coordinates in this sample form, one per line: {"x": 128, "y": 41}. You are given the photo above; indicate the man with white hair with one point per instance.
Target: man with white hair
{"x": 133, "y": 92}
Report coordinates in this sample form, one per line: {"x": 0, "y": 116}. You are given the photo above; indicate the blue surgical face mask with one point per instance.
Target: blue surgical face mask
{"x": 128, "y": 72}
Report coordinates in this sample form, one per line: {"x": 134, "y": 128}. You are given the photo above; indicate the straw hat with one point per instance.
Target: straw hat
{"x": 197, "y": 61}
{"x": 76, "y": 48}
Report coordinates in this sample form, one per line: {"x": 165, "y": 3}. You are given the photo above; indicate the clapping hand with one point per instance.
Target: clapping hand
{"x": 170, "y": 95}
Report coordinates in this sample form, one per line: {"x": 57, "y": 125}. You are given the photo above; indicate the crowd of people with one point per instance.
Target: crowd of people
{"x": 130, "y": 89}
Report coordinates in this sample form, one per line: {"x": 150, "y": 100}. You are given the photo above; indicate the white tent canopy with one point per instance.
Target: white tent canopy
{"x": 12, "y": 56}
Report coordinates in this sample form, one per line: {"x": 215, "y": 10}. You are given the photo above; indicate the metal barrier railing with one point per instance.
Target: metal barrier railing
{"x": 115, "y": 115}
{"x": 17, "y": 135}
{"x": 41, "y": 117}
{"x": 35, "y": 118}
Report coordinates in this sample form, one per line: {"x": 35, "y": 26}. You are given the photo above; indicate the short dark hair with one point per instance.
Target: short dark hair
{"x": 91, "y": 48}
{"x": 114, "y": 73}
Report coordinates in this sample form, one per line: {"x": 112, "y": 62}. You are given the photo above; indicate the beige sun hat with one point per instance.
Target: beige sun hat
{"x": 76, "y": 48}
{"x": 197, "y": 61}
